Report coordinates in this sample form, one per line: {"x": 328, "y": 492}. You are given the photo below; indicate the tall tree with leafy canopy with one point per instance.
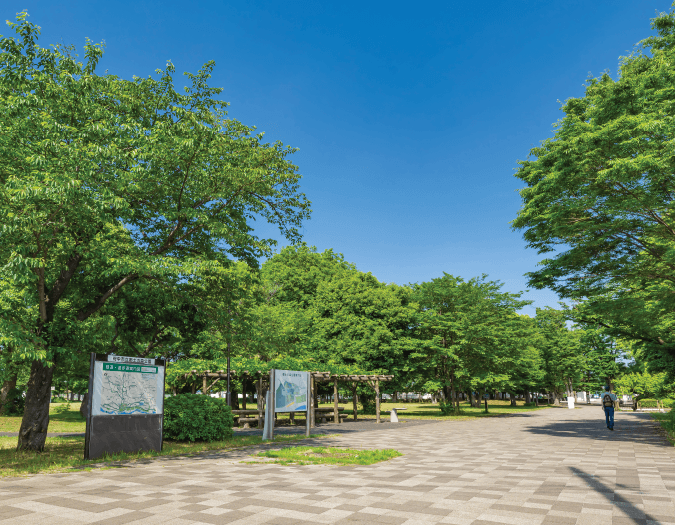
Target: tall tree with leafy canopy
{"x": 471, "y": 335}
{"x": 599, "y": 199}
{"x": 561, "y": 351}
{"x": 125, "y": 181}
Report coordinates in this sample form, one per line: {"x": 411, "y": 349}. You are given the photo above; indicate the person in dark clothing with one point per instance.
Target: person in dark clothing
{"x": 607, "y": 401}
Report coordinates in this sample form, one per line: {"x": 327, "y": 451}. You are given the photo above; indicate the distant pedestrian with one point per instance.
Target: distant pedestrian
{"x": 607, "y": 402}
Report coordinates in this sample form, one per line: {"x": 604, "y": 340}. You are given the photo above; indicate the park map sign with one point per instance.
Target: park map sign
{"x": 290, "y": 390}
{"x": 127, "y": 388}
{"x": 125, "y": 405}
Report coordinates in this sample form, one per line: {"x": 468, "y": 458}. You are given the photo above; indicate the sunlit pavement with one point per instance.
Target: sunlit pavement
{"x": 554, "y": 466}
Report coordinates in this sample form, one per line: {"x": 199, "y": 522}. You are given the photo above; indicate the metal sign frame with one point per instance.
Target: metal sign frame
{"x": 111, "y": 434}
{"x": 270, "y": 408}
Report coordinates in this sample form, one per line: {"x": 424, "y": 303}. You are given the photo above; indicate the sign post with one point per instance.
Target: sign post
{"x": 125, "y": 407}
{"x": 289, "y": 392}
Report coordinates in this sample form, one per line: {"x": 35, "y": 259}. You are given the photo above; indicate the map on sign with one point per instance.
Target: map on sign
{"x": 121, "y": 388}
{"x": 290, "y": 390}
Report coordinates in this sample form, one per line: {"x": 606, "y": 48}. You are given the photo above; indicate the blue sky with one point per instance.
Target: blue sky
{"x": 409, "y": 116}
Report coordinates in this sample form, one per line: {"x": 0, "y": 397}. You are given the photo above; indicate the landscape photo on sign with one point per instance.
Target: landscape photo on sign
{"x": 122, "y": 389}
{"x": 290, "y": 390}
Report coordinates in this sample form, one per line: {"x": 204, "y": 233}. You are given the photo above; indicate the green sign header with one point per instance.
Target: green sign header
{"x": 119, "y": 367}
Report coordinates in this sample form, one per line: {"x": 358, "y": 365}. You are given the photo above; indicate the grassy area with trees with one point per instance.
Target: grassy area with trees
{"x": 128, "y": 212}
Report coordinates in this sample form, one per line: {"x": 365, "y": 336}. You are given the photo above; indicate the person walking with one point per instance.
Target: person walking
{"x": 607, "y": 402}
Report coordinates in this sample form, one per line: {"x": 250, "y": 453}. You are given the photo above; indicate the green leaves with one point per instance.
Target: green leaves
{"x": 471, "y": 335}
{"x": 599, "y": 194}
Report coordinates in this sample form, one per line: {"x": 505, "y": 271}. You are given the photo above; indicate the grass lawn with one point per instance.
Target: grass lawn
{"x": 667, "y": 422}
{"x": 325, "y": 456}
{"x": 64, "y": 454}
{"x": 432, "y": 411}
{"x": 63, "y": 417}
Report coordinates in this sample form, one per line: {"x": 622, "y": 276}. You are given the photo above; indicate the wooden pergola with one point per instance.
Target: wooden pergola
{"x": 260, "y": 380}
{"x": 372, "y": 380}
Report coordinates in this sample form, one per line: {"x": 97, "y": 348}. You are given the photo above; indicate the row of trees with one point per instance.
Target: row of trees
{"x": 127, "y": 212}
{"x": 599, "y": 204}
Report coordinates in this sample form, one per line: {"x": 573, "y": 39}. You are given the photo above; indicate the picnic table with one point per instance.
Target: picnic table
{"x": 248, "y": 416}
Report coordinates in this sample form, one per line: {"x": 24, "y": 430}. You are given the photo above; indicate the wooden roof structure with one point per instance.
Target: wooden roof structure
{"x": 258, "y": 376}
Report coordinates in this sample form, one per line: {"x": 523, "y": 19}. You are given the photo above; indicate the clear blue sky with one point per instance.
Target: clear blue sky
{"x": 409, "y": 116}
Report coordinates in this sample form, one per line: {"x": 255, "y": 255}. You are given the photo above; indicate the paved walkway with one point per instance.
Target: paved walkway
{"x": 555, "y": 466}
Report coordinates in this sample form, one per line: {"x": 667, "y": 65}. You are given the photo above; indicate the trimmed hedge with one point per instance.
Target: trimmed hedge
{"x": 196, "y": 417}
{"x": 651, "y": 403}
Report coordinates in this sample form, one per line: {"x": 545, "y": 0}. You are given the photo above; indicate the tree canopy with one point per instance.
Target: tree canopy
{"x": 598, "y": 200}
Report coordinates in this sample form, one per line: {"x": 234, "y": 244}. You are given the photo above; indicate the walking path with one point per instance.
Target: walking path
{"x": 554, "y": 466}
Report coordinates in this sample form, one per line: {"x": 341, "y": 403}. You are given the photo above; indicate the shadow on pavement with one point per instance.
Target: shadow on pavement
{"x": 634, "y": 514}
{"x": 634, "y": 427}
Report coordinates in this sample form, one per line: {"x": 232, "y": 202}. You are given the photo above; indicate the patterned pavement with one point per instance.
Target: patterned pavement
{"x": 555, "y": 466}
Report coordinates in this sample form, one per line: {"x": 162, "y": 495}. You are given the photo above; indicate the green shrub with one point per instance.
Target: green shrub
{"x": 669, "y": 403}
{"x": 368, "y": 403}
{"x": 196, "y": 417}
{"x": 15, "y": 402}
{"x": 647, "y": 402}
{"x": 446, "y": 408}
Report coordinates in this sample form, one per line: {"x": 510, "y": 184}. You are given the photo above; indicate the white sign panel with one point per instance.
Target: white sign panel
{"x": 130, "y": 360}
{"x": 290, "y": 390}
{"x": 121, "y": 388}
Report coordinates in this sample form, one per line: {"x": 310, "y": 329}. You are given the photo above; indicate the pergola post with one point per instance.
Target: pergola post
{"x": 260, "y": 401}
{"x": 335, "y": 401}
{"x": 243, "y": 393}
{"x": 354, "y": 400}
{"x": 377, "y": 399}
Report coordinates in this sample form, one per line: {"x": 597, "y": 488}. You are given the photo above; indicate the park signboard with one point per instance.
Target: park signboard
{"x": 125, "y": 405}
{"x": 289, "y": 392}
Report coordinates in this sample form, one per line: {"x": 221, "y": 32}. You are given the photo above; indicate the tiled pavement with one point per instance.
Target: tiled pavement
{"x": 555, "y": 466}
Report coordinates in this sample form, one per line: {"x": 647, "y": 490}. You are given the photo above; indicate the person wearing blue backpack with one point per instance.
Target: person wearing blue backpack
{"x": 607, "y": 401}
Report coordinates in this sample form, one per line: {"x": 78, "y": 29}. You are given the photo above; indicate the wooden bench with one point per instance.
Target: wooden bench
{"x": 325, "y": 414}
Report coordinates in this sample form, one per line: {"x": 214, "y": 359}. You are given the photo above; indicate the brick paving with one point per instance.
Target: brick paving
{"x": 555, "y": 466}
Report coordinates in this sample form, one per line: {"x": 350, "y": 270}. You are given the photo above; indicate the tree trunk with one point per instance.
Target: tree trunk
{"x": 33, "y": 431}
{"x": 8, "y": 385}
{"x": 83, "y": 407}
{"x": 513, "y": 399}
{"x": 528, "y": 398}
{"x": 453, "y": 394}
{"x": 556, "y": 398}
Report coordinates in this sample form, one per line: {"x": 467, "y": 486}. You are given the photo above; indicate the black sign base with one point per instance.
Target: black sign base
{"x": 129, "y": 433}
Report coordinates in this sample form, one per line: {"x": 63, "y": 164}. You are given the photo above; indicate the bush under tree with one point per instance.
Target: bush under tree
{"x": 195, "y": 417}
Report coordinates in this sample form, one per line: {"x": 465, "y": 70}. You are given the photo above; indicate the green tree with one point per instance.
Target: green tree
{"x": 561, "y": 353}
{"x": 119, "y": 181}
{"x": 599, "y": 203}
{"x": 472, "y": 336}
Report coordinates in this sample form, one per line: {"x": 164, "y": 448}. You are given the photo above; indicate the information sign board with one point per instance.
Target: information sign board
{"x": 290, "y": 390}
{"x": 121, "y": 388}
{"x": 125, "y": 405}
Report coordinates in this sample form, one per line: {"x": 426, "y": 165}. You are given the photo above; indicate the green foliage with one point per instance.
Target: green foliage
{"x": 123, "y": 204}
{"x": 598, "y": 201}
{"x": 15, "y": 402}
{"x": 647, "y": 403}
{"x": 561, "y": 350}
{"x": 645, "y": 384}
{"x": 470, "y": 336}
{"x": 189, "y": 417}
{"x": 447, "y": 409}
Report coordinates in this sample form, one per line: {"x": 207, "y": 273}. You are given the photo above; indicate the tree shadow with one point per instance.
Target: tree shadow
{"x": 635, "y": 428}
{"x": 633, "y": 513}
